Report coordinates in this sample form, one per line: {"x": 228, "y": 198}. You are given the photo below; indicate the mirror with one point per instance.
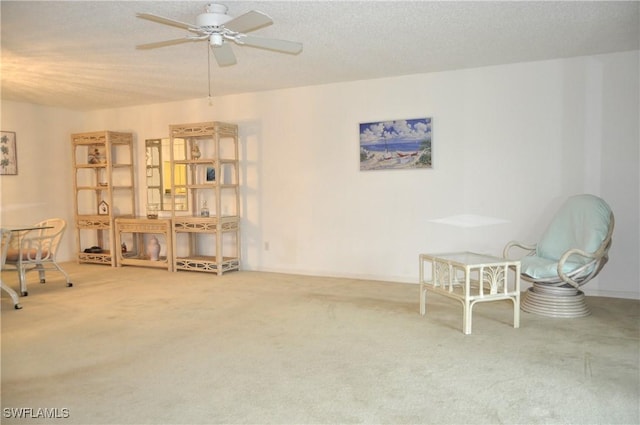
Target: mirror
{"x": 158, "y": 168}
{"x": 153, "y": 156}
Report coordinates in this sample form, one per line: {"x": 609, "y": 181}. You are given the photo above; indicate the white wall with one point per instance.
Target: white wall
{"x": 510, "y": 142}
{"x": 42, "y": 187}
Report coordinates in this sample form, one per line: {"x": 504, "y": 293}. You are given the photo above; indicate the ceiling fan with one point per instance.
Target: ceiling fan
{"x": 220, "y": 29}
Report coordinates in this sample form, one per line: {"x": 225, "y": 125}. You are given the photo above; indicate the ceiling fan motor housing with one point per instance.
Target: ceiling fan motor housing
{"x": 215, "y": 16}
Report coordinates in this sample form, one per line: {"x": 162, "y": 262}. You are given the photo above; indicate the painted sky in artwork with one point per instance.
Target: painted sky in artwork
{"x": 381, "y": 132}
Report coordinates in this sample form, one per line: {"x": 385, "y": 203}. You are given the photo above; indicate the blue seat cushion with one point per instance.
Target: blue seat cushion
{"x": 543, "y": 268}
{"x": 582, "y": 222}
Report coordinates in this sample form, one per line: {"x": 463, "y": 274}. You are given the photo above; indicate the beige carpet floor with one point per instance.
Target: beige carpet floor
{"x": 143, "y": 346}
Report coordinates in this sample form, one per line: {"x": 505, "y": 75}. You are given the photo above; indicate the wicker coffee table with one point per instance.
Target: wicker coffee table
{"x": 470, "y": 278}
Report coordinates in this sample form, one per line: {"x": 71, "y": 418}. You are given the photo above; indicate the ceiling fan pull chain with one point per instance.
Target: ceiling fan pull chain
{"x": 209, "y": 73}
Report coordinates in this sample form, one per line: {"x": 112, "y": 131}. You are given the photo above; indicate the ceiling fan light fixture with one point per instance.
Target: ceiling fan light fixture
{"x": 216, "y": 40}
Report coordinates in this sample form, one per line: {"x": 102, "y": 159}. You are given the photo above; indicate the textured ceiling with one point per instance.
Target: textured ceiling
{"x": 81, "y": 54}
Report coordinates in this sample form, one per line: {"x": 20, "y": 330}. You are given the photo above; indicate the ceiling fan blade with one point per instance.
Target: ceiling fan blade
{"x": 224, "y": 54}
{"x": 283, "y": 46}
{"x": 166, "y": 21}
{"x": 164, "y": 43}
{"x": 248, "y": 22}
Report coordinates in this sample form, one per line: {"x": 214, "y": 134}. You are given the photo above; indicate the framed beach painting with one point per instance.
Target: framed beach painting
{"x": 395, "y": 145}
{"x": 8, "y": 155}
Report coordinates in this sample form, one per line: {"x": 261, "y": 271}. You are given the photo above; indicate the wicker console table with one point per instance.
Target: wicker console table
{"x": 136, "y": 254}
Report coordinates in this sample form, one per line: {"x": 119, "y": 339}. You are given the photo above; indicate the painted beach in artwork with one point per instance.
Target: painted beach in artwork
{"x": 397, "y": 144}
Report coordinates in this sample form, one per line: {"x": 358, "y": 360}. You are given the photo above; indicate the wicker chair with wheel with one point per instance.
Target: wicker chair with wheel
{"x": 35, "y": 250}
{"x": 571, "y": 252}
{"x": 6, "y": 240}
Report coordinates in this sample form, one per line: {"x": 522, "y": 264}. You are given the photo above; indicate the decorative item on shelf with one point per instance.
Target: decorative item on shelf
{"x": 204, "y": 211}
{"x": 211, "y": 174}
{"x": 97, "y": 155}
{"x": 123, "y": 248}
{"x": 103, "y": 208}
{"x": 152, "y": 211}
{"x": 195, "y": 151}
{"x": 153, "y": 248}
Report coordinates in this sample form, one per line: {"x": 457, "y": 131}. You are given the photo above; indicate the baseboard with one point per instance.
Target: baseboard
{"x": 611, "y": 294}
{"x": 404, "y": 279}
{"x": 317, "y": 273}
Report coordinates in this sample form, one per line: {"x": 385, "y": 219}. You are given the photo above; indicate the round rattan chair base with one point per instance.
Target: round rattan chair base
{"x": 554, "y": 301}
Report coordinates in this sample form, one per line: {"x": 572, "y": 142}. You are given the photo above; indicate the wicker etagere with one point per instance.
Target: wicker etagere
{"x": 103, "y": 185}
{"x": 206, "y": 236}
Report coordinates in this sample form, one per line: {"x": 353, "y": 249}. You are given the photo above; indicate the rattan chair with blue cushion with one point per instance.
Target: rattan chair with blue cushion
{"x": 571, "y": 252}
{"x": 35, "y": 250}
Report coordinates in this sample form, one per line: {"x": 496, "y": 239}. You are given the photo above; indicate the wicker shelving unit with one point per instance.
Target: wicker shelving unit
{"x": 204, "y": 168}
{"x": 103, "y": 185}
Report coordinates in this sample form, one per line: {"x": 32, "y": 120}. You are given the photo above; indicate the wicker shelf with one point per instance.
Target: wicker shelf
{"x": 208, "y": 154}
{"x": 103, "y": 187}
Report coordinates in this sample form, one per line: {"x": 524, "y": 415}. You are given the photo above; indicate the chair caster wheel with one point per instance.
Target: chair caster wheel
{"x": 42, "y": 281}
{"x": 24, "y": 294}
{"x": 17, "y": 307}
{"x": 69, "y": 284}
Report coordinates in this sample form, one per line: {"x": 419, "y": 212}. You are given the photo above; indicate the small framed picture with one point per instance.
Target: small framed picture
{"x": 8, "y": 156}
{"x": 103, "y": 208}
